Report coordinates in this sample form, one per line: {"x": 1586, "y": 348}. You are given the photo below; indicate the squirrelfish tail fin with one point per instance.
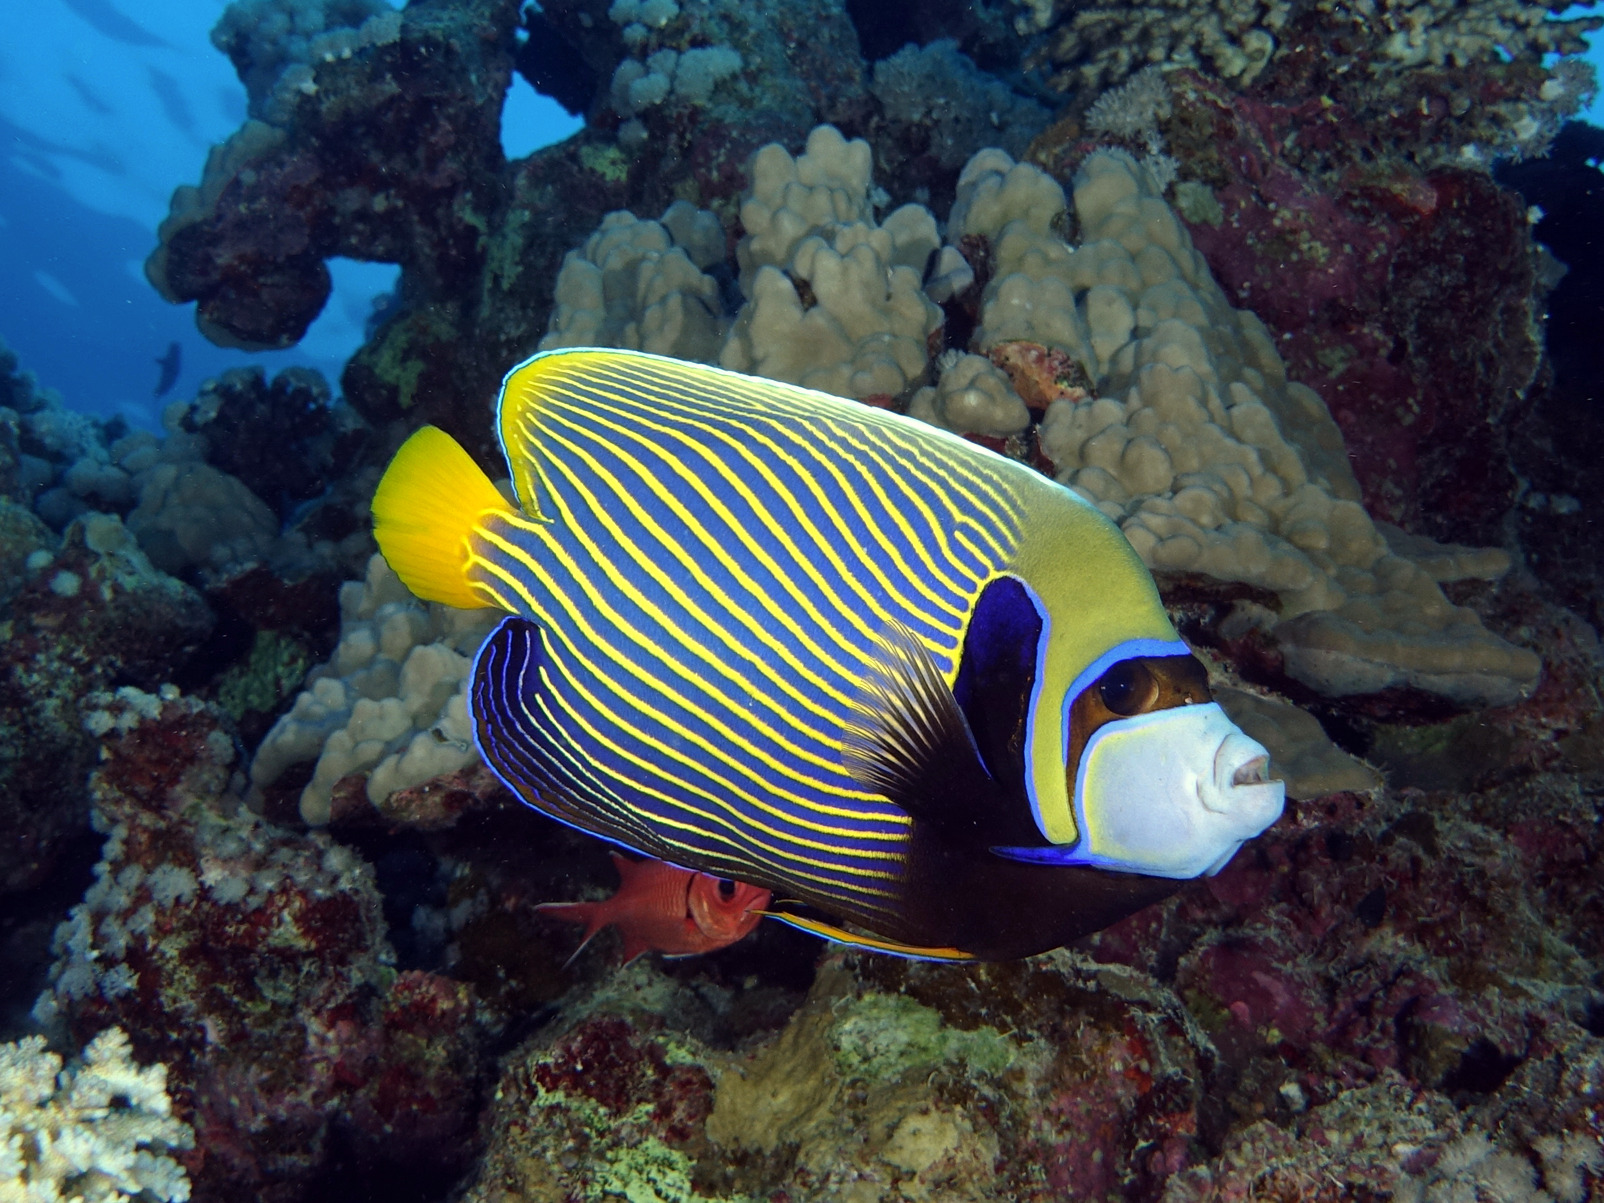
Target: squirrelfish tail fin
{"x": 428, "y": 502}
{"x": 588, "y": 913}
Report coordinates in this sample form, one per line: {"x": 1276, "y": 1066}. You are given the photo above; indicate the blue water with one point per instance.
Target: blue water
{"x": 105, "y": 108}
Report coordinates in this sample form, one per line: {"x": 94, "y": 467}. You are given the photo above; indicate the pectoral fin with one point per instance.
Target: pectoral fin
{"x": 909, "y": 740}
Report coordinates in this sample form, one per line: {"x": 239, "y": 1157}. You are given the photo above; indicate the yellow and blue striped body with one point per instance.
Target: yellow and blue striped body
{"x": 707, "y": 575}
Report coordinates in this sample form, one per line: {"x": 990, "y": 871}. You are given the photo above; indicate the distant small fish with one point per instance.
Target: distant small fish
{"x": 170, "y": 364}
{"x": 925, "y": 694}
{"x": 661, "y": 908}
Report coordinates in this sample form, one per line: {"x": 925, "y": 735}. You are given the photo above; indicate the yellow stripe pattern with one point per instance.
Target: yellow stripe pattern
{"x": 706, "y": 563}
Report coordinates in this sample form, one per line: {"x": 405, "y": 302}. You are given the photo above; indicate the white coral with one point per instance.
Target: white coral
{"x": 99, "y": 1132}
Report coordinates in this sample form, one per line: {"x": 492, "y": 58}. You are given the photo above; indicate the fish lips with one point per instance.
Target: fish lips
{"x": 1171, "y": 793}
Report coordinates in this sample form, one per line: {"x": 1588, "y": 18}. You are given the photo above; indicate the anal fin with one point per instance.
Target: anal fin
{"x": 841, "y": 935}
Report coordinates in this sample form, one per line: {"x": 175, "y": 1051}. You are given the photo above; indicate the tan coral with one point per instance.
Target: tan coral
{"x": 1207, "y": 456}
{"x": 972, "y": 397}
{"x": 390, "y": 703}
{"x": 635, "y": 285}
{"x": 834, "y": 300}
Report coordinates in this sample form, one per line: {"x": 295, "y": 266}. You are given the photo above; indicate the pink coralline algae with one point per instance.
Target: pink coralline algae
{"x": 253, "y": 961}
{"x": 80, "y": 612}
{"x": 1405, "y": 294}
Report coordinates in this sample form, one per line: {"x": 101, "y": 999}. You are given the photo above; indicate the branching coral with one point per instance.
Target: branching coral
{"x": 97, "y": 1132}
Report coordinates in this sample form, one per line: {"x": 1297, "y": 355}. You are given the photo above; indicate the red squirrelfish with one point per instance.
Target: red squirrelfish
{"x": 661, "y": 908}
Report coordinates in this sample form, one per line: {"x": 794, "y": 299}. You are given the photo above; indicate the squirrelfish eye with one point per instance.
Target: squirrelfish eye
{"x": 1128, "y": 688}
{"x": 726, "y": 888}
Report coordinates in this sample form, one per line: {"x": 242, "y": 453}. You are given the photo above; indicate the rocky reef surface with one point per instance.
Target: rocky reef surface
{"x": 1301, "y": 308}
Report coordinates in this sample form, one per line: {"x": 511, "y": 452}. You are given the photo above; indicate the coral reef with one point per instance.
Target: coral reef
{"x": 399, "y": 122}
{"x": 1240, "y": 273}
{"x": 937, "y": 103}
{"x": 834, "y": 299}
{"x": 390, "y": 707}
{"x": 1205, "y": 402}
{"x": 249, "y": 243}
{"x": 100, "y": 1131}
{"x": 1236, "y": 40}
{"x": 1352, "y": 1008}
{"x": 1166, "y": 406}
{"x": 253, "y": 960}
{"x": 1371, "y": 276}
{"x": 247, "y": 472}
{"x": 1064, "y": 1099}
{"x": 81, "y": 611}
{"x": 640, "y": 284}
{"x": 287, "y": 441}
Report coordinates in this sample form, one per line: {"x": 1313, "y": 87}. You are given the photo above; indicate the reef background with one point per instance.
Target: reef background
{"x": 1394, "y": 993}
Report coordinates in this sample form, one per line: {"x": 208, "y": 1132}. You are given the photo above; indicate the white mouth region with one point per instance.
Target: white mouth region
{"x": 1254, "y": 772}
{"x": 1173, "y": 793}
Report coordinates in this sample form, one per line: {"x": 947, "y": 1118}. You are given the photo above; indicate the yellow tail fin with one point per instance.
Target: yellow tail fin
{"x": 427, "y": 504}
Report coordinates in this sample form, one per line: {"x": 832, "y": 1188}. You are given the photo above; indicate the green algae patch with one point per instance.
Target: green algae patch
{"x": 883, "y": 1036}
{"x": 401, "y": 356}
{"x": 645, "y": 1170}
{"x": 606, "y": 161}
{"x": 1196, "y": 203}
{"x": 275, "y": 668}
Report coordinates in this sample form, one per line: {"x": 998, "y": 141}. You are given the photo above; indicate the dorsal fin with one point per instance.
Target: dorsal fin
{"x": 911, "y": 742}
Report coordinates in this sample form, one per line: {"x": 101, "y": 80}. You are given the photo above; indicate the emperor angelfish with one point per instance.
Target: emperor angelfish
{"x": 924, "y": 694}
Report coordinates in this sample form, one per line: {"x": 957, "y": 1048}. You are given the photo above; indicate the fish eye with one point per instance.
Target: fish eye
{"x": 1128, "y": 688}
{"x": 726, "y": 888}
